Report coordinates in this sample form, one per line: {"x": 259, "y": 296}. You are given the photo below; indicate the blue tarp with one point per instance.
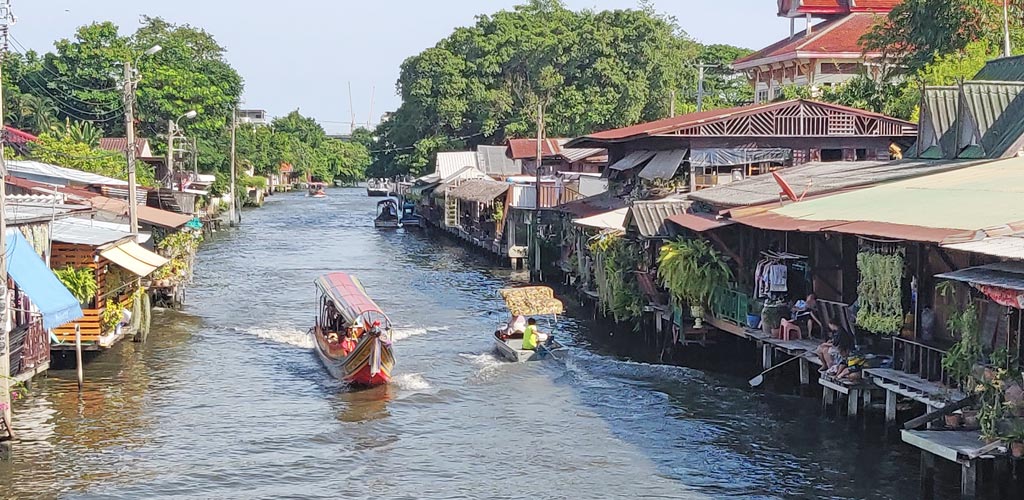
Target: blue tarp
{"x": 46, "y": 292}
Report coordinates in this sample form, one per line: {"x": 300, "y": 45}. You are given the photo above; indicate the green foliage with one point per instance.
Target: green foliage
{"x": 83, "y": 132}
{"x": 967, "y": 352}
{"x": 80, "y": 282}
{"x": 692, "y": 270}
{"x": 112, "y": 315}
{"x": 917, "y": 33}
{"x": 880, "y": 292}
{"x": 180, "y": 243}
{"x": 591, "y": 70}
{"x": 615, "y": 265}
{"x": 67, "y": 152}
{"x": 252, "y": 182}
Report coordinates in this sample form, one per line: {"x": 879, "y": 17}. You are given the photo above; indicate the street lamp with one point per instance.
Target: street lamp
{"x": 172, "y": 130}
{"x": 131, "y": 79}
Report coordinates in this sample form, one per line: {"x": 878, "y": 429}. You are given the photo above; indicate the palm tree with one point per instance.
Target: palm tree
{"x": 36, "y": 113}
{"x": 79, "y": 131}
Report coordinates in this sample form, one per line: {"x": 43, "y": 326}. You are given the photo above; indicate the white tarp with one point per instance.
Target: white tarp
{"x": 614, "y": 219}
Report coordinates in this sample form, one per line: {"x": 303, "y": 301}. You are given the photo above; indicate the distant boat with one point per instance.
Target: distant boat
{"x": 316, "y": 190}
{"x": 387, "y": 214}
{"x": 377, "y": 187}
{"x": 352, "y": 334}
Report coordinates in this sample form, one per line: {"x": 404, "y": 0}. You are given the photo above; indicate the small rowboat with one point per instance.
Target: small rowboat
{"x": 387, "y": 214}
{"x": 353, "y": 336}
{"x": 523, "y": 302}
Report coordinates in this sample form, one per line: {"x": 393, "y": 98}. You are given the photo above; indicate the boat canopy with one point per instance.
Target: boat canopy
{"x": 351, "y": 301}
{"x": 531, "y": 301}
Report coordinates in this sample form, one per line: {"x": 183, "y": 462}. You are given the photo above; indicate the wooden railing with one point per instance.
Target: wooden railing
{"x": 30, "y": 347}
{"x": 922, "y": 360}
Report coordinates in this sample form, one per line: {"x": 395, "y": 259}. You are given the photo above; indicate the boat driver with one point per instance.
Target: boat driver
{"x": 533, "y": 337}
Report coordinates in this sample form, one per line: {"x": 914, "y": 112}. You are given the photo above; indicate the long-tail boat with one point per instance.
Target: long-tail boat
{"x": 352, "y": 334}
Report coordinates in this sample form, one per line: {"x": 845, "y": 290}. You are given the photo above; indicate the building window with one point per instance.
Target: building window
{"x": 831, "y": 155}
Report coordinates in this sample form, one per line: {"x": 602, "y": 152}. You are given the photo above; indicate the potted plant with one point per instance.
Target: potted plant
{"x": 692, "y": 270}
{"x": 754, "y": 314}
{"x": 970, "y": 420}
{"x": 961, "y": 359}
{"x": 1016, "y": 441}
{"x": 953, "y": 420}
{"x": 80, "y": 282}
{"x": 771, "y": 317}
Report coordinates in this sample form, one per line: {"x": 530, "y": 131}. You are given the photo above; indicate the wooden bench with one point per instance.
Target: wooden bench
{"x": 898, "y": 383}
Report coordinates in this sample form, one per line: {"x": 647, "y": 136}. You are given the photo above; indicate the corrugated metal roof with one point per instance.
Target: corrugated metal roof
{"x": 577, "y": 154}
{"x": 612, "y": 219}
{"x": 25, "y": 213}
{"x": 148, "y": 215}
{"x": 997, "y": 110}
{"x": 633, "y": 159}
{"x": 1006, "y": 247}
{"x": 1008, "y": 275}
{"x": 592, "y": 205}
{"x": 85, "y": 232}
{"x": 774, "y": 222}
{"x": 664, "y": 165}
{"x": 492, "y": 160}
{"x": 479, "y": 190}
{"x": 45, "y": 172}
{"x": 966, "y": 199}
{"x": 451, "y": 162}
{"x": 699, "y": 222}
{"x": 1004, "y": 69}
{"x": 819, "y": 178}
{"x": 649, "y": 216}
{"x": 938, "y": 115}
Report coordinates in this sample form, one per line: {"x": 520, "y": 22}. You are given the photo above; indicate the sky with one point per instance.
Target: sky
{"x": 304, "y": 54}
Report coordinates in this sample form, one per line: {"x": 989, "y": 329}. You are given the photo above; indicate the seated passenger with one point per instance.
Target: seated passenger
{"x": 533, "y": 337}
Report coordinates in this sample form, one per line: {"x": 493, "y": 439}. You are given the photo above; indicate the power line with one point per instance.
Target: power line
{"x": 38, "y": 85}
{"x": 53, "y": 73}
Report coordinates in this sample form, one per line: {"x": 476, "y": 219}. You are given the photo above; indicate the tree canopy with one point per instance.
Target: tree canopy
{"x": 591, "y": 70}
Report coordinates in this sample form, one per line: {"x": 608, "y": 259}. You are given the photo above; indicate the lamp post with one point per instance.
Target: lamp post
{"x": 131, "y": 80}
{"x": 172, "y": 129}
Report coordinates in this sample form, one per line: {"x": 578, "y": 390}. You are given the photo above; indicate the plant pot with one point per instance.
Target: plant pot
{"x": 971, "y": 420}
{"x": 953, "y": 420}
{"x": 698, "y": 316}
{"x": 753, "y": 320}
{"x": 1017, "y": 449}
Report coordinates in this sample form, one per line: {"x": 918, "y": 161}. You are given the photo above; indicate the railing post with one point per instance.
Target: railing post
{"x": 78, "y": 354}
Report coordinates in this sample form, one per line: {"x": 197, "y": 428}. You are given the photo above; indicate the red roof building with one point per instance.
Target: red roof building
{"x": 822, "y": 54}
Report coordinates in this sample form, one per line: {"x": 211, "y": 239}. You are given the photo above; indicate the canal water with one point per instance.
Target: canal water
{"x": 227, "y": 399}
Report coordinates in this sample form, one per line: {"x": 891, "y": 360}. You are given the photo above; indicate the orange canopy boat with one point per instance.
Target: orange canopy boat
{"x": 352, "y": 334}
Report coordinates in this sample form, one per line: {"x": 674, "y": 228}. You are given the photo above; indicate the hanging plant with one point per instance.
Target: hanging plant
{"x": 959, "y": 362}
{"x": 880, "y": 292}
{"x": 692, "y": 270}
{"x": 80, "y": 282}
{"x": 618, "y": 292}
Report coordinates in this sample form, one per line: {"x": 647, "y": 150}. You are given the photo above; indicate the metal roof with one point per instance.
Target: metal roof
{"x": 819, "y": 178}
{"x": 664, "y": 164}
{"x": 938, "y": 115}
{"x": 592, "y": 205}
{"x": 45, "y": 172}
{"x": 1008, "y": 275}
{"x": 699, "y": 222}
{"x": 576, "y": 154}
{"x": 479, "y": 190}
{"x": 649, "y": 216}
{"x": 997, "y": 112}
{"x": 1006, "y": 247}
{"x": 17, "y": 213}
{"x": 451, "y": 162}
{"x": 492, "y": 160}
{"x": 1004, "y": 69}
{"x": 85, "y": 232}
{"x": 612, "y": 219}
{"x": 148, "y": 215}
{"x": 633, "y": 159}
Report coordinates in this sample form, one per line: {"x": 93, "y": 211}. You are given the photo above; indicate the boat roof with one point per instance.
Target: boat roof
{"x": 388, "y": 200}
{"x": 531, "y": 301}
{"x": 350, "y": 299}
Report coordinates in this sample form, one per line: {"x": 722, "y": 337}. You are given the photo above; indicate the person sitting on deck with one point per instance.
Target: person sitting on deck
{"x": 532, "y": 337}
{"x": 832, "y": 350}
{"x": 807, "y": 310}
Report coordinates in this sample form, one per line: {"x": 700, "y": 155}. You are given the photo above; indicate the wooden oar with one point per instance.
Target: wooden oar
{"x": 759, "y": 379}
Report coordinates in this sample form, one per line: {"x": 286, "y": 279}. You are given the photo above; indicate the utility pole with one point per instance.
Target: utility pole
{"x": 700, "y": 86}
{"x": 351, "y": 110}
{"x": 232, "y": 210}
{"x": 170, "y": 152}
{"x": 6, "y": 20}
{"x": 130, "y": 150}
{"x": 1007, "y": 50}
{"x": 672, "y": 103}
{"x": 369, "y": 121}
{"x": 535, "y": 271}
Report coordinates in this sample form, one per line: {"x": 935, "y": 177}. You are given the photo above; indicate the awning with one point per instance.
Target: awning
{"x": 134, "y": 258}
{"x": 664, "y": 165}
{"x": 1003, "y": 282}
{"x": 631, "y": 160}
{"x": 699, "y": 222}
{"x": 479, "y": 190}
{"x": 714, "y": 157}
{"x": 54, "y": 301}
{"x": 613, "y": 219}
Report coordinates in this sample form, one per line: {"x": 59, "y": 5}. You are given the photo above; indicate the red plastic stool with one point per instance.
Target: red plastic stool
{"x": 789, "y": 330}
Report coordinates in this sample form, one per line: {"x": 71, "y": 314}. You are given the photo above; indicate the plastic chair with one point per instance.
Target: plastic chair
{"x": 789, "y": 330}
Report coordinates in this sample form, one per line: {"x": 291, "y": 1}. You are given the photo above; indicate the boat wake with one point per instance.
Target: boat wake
{"x": 406, "y": 333}
{"x": 284, "y": 335}
{"x": 411, "y": 382}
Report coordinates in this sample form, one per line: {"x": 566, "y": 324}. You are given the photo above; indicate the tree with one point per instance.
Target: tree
{"x": 65, "y": 151}
{"x": 591, "y": 70}
{"x": 917, "y": 33}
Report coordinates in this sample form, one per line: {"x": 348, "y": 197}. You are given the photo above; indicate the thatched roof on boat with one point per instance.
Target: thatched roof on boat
{"x": 531, "y": 301}
{"x": 479, "y": 190}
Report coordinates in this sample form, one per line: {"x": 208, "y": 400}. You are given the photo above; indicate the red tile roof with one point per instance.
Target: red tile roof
{"x": 839, "y": 36}
{"x": 525, "y": 149}
{"x": 18, "y": 136}
{"x": 668, "y": 125}
{"x": 789, "y": 8}
{"x": 120, "y": 144}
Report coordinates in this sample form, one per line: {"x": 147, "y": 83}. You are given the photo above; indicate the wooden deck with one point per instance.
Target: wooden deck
{"x": 858, "y": 394}
{"x": 931, "y": 394}
{"x": 962, "y": 447}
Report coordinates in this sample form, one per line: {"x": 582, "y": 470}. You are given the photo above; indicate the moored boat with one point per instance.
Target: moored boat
{"x": 387, "y": 214}
{"x": 410, "y": 219}
{"x": 377, "y": 187}
{"x": 522, "y": 302}
{"x": 352, "y": 334}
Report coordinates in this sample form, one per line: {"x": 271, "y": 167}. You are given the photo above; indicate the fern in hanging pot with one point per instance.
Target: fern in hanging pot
{"x": 692, "y": 271}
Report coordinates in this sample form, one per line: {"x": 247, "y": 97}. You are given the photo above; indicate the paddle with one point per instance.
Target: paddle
{"x": 759, "y": 379}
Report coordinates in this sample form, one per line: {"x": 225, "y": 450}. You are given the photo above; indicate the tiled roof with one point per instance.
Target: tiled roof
{"x": 793, "y": 8}
{"x": 834, "y": 36}
{"x": 120, "y": 144}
